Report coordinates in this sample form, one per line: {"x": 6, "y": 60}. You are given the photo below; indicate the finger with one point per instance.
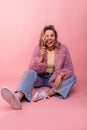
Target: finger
{"x": 43, "y": 47}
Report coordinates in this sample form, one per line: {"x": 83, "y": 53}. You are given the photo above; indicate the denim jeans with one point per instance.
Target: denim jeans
{"x": 31, "y": 79}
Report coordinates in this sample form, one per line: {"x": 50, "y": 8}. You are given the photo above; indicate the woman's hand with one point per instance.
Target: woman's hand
{"x": 43, "y": 50}
{"x": 58, "y": 81}
{"x": 42, "y": 53}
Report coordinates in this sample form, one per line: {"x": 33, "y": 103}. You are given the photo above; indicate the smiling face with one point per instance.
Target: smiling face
{"x": 50, "y": 39}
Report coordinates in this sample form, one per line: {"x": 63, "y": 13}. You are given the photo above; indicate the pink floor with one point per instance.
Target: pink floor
{"x": 51, "y": 114}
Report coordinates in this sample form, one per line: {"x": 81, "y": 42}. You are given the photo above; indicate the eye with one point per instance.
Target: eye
{"x": 46, "y": 36}
{"x": 52, "y": 35}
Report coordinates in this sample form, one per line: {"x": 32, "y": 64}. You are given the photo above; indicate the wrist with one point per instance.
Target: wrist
{"x": 41, "y": 58}
{"x": 61, "y": 75}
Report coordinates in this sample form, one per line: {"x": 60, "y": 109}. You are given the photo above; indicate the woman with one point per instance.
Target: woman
{"x": 50, "y": 66}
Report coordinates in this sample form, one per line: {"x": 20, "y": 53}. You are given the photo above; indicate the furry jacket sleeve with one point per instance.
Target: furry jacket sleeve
{"x": 35, "y": 63}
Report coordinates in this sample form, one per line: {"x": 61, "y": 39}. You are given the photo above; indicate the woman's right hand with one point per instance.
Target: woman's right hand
{"x": 42, "y": 52}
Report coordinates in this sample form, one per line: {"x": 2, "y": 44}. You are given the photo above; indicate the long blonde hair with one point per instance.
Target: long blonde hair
{"x": 49, "y": 27}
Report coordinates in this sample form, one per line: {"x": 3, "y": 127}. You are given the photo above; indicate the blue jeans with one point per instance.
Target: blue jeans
{"x": 31, "y": 79}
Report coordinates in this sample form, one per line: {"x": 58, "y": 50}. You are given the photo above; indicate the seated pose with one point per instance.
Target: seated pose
{"x": 50, "y": 66}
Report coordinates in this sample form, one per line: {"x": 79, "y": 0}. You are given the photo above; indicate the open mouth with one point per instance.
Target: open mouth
{"x": 49, "y": 42}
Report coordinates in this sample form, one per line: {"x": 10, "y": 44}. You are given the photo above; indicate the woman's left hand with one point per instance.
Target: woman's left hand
{"x": 58, "y": 81}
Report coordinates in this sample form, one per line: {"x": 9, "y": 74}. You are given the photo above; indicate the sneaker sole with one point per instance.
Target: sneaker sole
{"x": 11, "y": 98}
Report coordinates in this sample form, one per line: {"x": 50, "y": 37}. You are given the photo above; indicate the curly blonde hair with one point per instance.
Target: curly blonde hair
{"x": 49, "y": 27}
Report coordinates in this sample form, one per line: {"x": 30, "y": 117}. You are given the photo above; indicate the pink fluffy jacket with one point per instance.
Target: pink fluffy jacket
{"x": 63, "y": 63}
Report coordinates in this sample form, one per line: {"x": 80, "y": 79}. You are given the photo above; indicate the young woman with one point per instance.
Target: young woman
{"x": 50, "y": 66}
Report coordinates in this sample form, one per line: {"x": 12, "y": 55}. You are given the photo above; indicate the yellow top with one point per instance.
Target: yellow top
{"x": 50, "y": 61}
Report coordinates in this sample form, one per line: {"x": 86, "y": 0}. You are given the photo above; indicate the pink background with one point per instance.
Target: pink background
{"x": 21, "y": 22}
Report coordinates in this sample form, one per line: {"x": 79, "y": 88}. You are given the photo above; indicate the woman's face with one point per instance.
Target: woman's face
{"x": 50, "y": 38}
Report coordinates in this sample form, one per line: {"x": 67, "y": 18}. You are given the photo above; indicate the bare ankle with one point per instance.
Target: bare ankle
{"x": 50, "y": 93}
{"x": 20, "y": 95}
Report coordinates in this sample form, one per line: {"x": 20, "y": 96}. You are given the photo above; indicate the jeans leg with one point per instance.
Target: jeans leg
{"x": 66, "y": 87}
{"x": 27, "y": 82}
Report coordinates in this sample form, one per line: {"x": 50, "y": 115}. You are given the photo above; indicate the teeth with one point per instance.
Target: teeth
{"x": 50, "y": 41}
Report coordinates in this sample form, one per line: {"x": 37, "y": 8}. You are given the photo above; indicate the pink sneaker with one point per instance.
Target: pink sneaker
{"x": 40, "y": 95}
{"x": 11, "y": 98}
